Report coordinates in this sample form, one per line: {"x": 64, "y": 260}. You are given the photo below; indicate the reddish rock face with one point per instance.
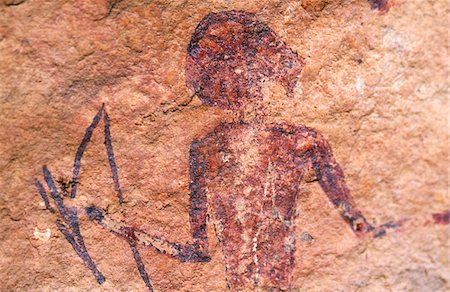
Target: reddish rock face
{"x": 247, "y": 174}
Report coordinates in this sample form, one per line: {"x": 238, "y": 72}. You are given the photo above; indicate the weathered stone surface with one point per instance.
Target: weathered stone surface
{"x": 373, "y": 83}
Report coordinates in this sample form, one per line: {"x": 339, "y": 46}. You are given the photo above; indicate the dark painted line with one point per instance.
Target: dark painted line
{"x": 140, "y": 265}
{"x": 82, "y": 253}
{"x": 43, "y": 195}
{"x": 76, "y": 228}
{"x": 111, "y": 159}
{"x": 55, "y": 194}
{"x": 378, "y": 4}
{"x": 81, "y": 149}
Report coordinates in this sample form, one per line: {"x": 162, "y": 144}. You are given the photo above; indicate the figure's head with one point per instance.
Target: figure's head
{"x": 229, "y": 56}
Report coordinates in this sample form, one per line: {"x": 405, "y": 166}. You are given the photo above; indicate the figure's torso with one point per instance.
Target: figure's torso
{"x": 252, "y": 185}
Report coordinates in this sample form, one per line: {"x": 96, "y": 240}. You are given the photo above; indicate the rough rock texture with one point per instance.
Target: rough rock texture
{"x": 373, "y": 83}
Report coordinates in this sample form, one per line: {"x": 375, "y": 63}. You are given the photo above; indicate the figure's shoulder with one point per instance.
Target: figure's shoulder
{"x": 223, "y": 130}
{"x": 304, "y": 138}
{"x": 293, "y": 130}
{"x": 219, "y": 133}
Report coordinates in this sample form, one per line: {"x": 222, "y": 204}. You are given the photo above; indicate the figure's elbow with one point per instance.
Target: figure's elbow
{"x": 195, "y": 257}
{"x": 193, "y": 253}
{"x": 309, "y": 139}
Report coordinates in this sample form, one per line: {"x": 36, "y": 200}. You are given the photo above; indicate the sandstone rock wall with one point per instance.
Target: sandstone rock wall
{"x": 374, "y": 83}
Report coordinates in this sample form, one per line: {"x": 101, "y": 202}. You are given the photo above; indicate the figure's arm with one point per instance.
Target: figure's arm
{"x": 331, "y": 179}
{"x": 195, "y": 251}
{"x": 198, "y": 207}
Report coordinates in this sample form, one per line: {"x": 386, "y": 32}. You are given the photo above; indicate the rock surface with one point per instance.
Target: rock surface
{"x": 374, "y": 83}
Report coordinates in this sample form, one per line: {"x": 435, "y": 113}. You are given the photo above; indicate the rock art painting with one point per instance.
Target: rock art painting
{"x": 245, "y": 175}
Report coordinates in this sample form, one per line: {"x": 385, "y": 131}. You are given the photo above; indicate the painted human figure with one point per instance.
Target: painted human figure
{"x": 247, "y": 172}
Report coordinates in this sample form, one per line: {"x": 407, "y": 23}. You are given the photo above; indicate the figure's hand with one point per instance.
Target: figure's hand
{"x": 360, "y": 226}
{"x": 189, "y": 252}
{"x": 383, "y": 229}
{"x": 378, "y": 231}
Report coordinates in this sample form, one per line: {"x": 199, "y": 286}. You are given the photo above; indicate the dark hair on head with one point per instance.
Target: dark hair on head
{"x": 244, "y": 18}
{"x": 230, "y": 53}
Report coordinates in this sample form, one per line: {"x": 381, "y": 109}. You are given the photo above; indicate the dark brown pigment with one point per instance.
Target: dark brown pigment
{"x": 382, "y": 5}
{"x": 442, "y": 218}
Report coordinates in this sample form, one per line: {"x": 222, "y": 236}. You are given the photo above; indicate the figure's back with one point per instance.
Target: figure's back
{"x": 252, "y": 186}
